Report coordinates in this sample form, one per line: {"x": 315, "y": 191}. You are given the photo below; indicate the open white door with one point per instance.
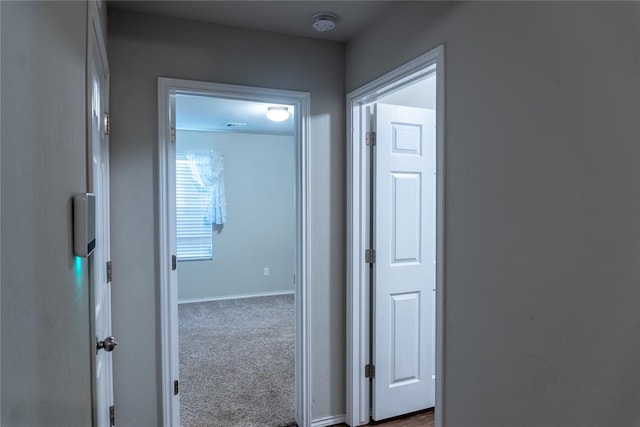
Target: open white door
{"x": 98, "y": 88}
{"x": 405, "y": 261}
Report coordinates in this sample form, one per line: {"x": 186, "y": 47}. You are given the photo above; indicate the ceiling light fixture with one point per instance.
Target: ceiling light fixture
{"x": 324, "y": 21}
{"x": 277, "y": 114}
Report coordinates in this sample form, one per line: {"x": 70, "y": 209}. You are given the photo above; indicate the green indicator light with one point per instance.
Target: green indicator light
{"x": 79, "y": 270}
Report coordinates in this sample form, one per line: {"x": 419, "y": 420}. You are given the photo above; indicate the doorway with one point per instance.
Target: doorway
{"x": 235, "y": 225}
{"x": 278, "y": 288}
{"x": 395, "y": 243}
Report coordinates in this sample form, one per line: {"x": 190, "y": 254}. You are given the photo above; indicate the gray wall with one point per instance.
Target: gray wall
{"x": 141, "y": 48}
{"x": 46, "y": 341}
{"x": 259, "y": 175}
{"x": 542, "y": 204}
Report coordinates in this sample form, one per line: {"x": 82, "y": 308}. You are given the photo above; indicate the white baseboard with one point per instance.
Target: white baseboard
{"x": 328, "y": 421}
{"x": 256, "y": 295}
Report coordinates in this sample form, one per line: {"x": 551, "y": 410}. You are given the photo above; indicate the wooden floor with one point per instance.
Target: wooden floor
{"x": 421, "y": 419}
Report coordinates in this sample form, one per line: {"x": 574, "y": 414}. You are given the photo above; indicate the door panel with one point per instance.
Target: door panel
{"x": 406, "y": 204}
{"x": 404, "y": 272}
{"x": 99, "y": 185}
{"x": 405, "y": 339}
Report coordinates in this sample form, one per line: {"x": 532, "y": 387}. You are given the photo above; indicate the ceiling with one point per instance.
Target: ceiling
{"x": 291, "y": 17}
{"x": 207, "y": 113}
{"x": 421, "y": 94}
{"x": 285, "y": 17}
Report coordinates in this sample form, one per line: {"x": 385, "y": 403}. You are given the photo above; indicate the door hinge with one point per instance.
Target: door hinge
{"x": 370, "y": 256}
{"x": 173, "y": 134}
{"x": 107, "y": 123}
{"x": 112, "y": 415}
{"x": 108, "y": 271}
{"x": 176, "y": 388}
{"x": 371, "y": 139}
{"x": 174, "y": 262}
{"x": 369, "y": 371}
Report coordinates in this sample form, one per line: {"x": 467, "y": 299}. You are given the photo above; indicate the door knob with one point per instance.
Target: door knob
{"x": 108, "y": 344}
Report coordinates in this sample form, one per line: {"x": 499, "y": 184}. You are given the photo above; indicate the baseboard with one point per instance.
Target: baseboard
{"x": 328, "y": 421}
{"x": 256, "y": 295}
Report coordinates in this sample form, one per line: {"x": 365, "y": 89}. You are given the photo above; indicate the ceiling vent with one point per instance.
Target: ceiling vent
{"x": 235, "y": 125}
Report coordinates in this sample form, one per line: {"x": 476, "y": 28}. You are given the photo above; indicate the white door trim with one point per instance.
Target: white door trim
{"x": 1, "y": 214}
{"x": 358, "y": 387}
{"x": 168, "y": 291}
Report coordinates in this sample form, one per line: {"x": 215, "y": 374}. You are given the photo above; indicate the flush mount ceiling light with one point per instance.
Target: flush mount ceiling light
{"x": 324, "y": 21}
{"x": 277, "y": 114}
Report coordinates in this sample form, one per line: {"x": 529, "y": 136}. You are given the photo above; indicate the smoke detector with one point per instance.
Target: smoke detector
{"x": 324, "y": 21}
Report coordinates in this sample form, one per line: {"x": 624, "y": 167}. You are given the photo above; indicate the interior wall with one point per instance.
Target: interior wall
{"x": 259, "y": 176}
{"x": 542, "y": 203}
{"x": 46, "y": 342}
{"x": 144, "y": 47}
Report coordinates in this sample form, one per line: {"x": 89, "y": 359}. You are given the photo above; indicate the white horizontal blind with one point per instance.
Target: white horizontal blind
{"x": 194, "y": 235}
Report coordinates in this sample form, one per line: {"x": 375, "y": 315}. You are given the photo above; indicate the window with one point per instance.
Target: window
{"x": 194, "y": 232}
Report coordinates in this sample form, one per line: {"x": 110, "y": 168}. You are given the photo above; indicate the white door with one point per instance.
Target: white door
{"x": 404, "y": 270}
{"x": 99, "y": 185}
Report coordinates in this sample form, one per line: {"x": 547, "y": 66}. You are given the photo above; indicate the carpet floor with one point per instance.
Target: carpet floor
{"x": 237, "y": 362}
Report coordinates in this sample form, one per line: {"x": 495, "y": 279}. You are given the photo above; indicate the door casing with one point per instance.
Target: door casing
{"x": 358, "y": 231}
{"x": 167, "y": 88}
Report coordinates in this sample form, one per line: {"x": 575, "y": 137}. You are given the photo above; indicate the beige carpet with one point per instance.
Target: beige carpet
{"x": 237, "y": 362}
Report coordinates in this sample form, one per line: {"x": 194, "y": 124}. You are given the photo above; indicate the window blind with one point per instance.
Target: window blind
{"x": 194, "y": 234}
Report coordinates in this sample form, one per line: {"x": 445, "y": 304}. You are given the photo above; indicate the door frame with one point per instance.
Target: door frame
{"x": 358, "y": 275}
{"x": 167, "y": 87}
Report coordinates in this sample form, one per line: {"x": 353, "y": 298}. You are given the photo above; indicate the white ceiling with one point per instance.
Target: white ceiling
{"x": 421, "y": 94}
{"x": 206, "y": 113}
{"x": 285, "y": 17}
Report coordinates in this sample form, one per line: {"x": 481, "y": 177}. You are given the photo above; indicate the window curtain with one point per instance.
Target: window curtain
{"x": 208, "y": 171}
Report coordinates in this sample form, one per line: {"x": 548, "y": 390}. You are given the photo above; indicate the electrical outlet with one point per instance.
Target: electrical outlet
{"x": 266, "y": 271}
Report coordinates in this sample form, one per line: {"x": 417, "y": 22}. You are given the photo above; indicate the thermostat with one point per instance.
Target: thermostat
{"x": 84, "y": 224}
